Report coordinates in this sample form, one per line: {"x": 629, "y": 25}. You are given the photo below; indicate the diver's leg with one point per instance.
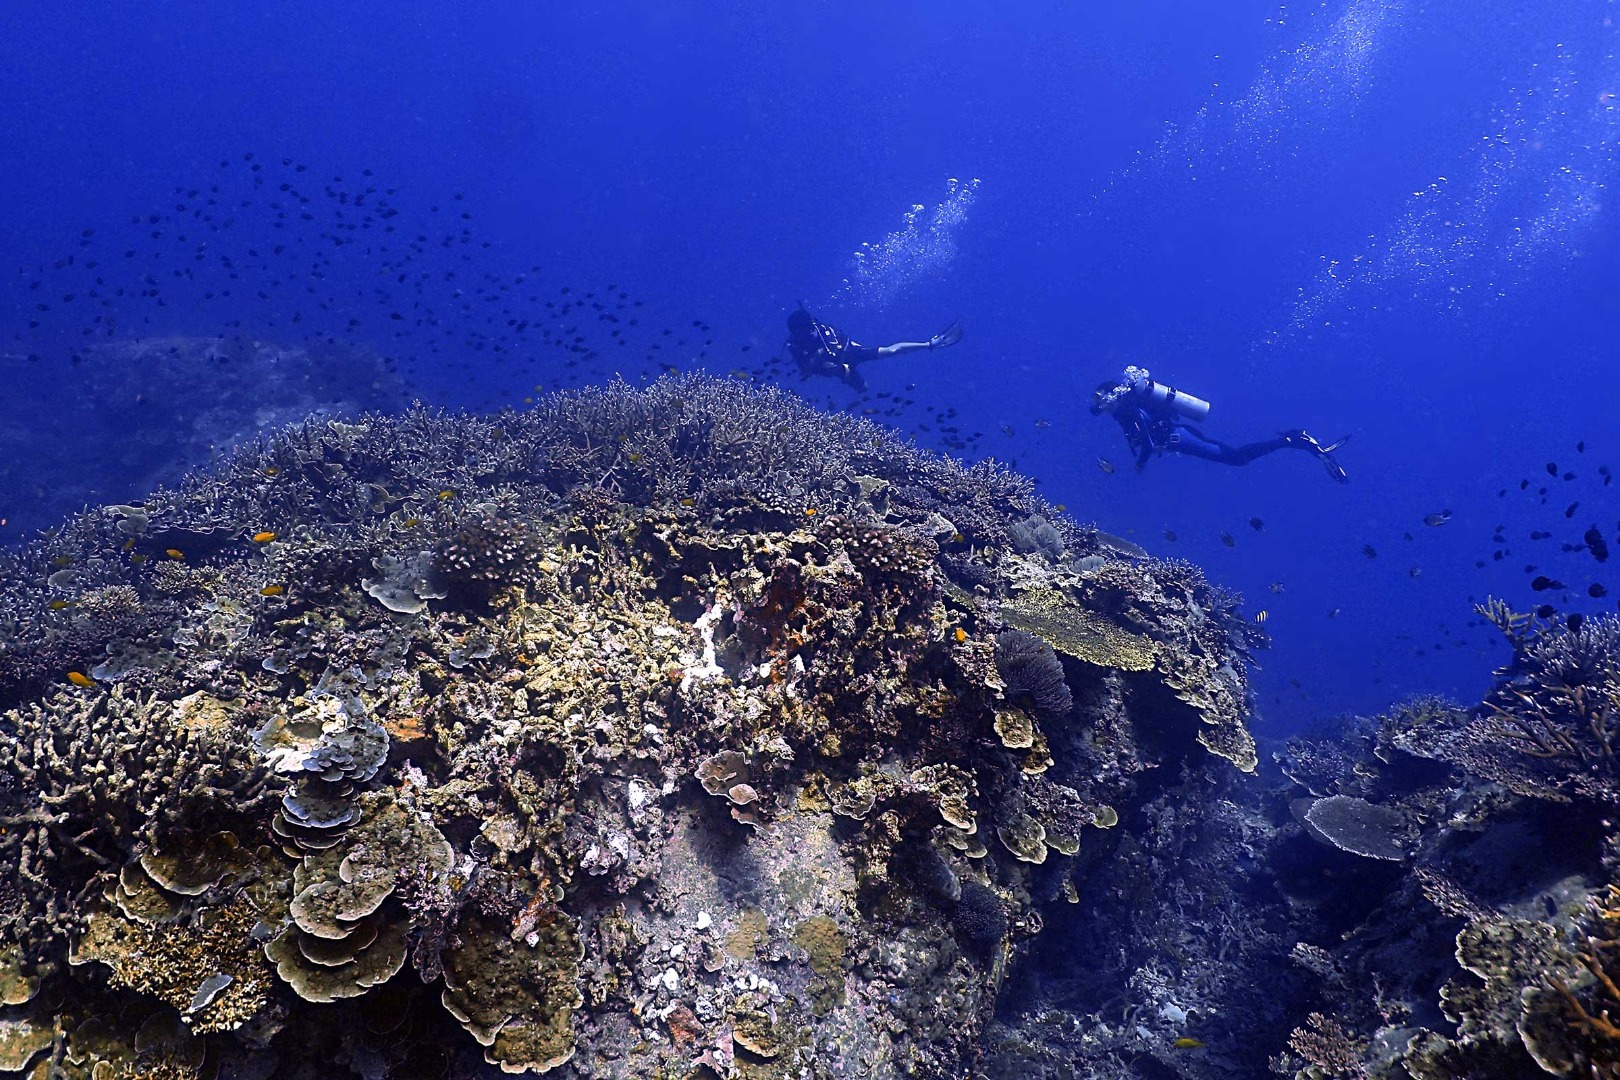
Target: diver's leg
{"x": 1195, "y": 443}
{"x": 900, "y": 348}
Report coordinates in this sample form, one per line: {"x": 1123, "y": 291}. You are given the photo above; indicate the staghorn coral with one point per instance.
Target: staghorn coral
{"x": 1551, "y": 731}
{"x": 1329, "y": 1048}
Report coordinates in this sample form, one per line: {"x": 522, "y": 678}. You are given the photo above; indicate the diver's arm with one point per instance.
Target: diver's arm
{"x": 1137, "y": 436}
{"x": 945, "y": 338}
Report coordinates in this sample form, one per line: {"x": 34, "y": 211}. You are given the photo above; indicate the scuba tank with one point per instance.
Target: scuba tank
{"x": 1136, "y": 380}
{"x": 1193, "y": 408}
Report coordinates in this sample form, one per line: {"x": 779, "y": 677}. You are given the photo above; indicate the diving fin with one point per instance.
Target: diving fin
{"x": 948, "y": 336}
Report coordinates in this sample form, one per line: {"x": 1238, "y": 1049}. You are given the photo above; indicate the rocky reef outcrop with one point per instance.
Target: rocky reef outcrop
{"x": 682, "y": 731}
{"x": 1428, "y": 894}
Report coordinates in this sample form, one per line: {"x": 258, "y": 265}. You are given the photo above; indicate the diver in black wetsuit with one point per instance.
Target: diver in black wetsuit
{"x": 819, "y": 349}
{"x": 1157, "y": 419}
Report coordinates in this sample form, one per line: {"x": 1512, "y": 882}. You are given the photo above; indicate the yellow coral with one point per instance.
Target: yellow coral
{"x": 1076, "y": 631}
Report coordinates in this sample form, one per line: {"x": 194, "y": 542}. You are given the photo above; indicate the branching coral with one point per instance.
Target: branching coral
{"x": 463, "y": 703}
{"x": 107, "y": 771}
{"x": 1552, "y": 731}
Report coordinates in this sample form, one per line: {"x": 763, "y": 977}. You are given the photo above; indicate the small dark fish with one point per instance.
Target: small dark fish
{"x": 1407, "y": 536}
{"x": 1256, "y": 524}
{"x": 1552, "y": 468}
{"x": 1580, "y": 447}
{"x": 1596, "y": 544}
{"x": 1574, "y": 622}
{"x": 1596, "y": 590}
{"x": 1228, "y": 539}
{"x": 1334, "y": 614}
{"x": 1170, "y": 535}
{"x": 1568, "y": 476}
{"x": 1569, "y": 511}
{"x": 1369, "y": 551}
{"x": 1416, "y": 571}
{"x": 1542, "y": 583}
{"x": 1437, "y": 519}
{"x": 1524, "y": 485}
{"x": 1105, "y": 465}
{"x": 1537, "y": 534}
{"x": 1276, "y": 587}
{"x": 1546, "y": 611}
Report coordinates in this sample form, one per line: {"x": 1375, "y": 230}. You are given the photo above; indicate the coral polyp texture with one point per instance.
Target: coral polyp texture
{"x": 662, "y": 732}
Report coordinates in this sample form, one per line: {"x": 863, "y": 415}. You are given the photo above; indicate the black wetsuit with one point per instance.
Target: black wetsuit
{"x": 1154, "y": 429}
{"x": 819, "y": 349}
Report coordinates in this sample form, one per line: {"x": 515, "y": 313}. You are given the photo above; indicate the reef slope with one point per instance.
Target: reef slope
{"x": 677, "y": 731}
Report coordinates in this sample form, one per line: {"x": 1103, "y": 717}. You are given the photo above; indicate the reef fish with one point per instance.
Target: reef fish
{"x": 1105, "y": 465}
{"x": 1438, "y": 519}
{"x": 1596, "y": 544}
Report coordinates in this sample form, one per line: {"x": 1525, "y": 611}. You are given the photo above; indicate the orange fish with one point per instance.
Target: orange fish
{"x": 174, "y": 553}
{"x": 272, "y": 590}
{"x": 79, "y": 678}
{"x": 263, "y": 537}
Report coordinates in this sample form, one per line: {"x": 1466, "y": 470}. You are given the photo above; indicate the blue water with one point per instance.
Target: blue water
{"x": 1372, "y": 217}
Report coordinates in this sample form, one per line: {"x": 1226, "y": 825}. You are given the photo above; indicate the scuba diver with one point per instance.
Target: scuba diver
{"x": 1159, "y": 419}
{"x": 819, "y": 349}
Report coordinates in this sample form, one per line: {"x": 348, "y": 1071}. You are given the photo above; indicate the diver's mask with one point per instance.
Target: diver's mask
{"x": 1108, "y": 395}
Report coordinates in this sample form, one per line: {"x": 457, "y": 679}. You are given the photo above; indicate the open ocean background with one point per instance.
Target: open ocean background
{"x": 1378, "y": 217}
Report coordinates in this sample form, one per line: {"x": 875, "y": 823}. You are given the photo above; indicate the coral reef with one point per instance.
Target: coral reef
{"x": 677, "y": 731}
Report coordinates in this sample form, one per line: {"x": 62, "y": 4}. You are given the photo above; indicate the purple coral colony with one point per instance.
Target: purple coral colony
{"x": 690, "y": 731}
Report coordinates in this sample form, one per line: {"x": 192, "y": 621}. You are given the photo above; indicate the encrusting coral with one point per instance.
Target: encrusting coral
{"x": 673, "y": 731}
